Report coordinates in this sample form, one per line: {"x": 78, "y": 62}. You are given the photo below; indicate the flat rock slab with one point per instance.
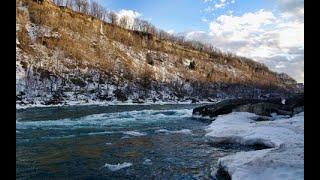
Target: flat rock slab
{"x": 263, "y": 107}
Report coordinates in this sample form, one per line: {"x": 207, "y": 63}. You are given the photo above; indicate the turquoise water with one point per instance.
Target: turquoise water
{"x": 113, "y": 142}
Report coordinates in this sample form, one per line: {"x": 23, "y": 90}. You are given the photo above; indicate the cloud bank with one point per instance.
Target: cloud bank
{"x": 276, "y": 39}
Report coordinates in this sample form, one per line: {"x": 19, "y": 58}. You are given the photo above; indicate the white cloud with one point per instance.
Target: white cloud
{"x": 129, "y": 14}
{"x": 221, "y": 4}
{"x": 291, "y": 34}
{"x": 204, "y": 20}
{"x": 237, "y": 28}
{"x": 274, "y": 39}
{"x": 217, "y": 5}
{"x": 291, "y": 5}
{"x": 292, "y": 9}
{"x": 171, "y": 31}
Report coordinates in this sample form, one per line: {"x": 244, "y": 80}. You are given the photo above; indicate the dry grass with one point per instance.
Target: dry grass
{"x": 101, "y": 54}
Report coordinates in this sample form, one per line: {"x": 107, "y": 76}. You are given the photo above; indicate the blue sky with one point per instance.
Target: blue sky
{"x": 183, "y": 15}
{"x": 268, "y": 31}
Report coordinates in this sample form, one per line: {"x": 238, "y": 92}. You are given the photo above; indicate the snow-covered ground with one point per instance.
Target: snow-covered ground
{"x": 107, "y": 103}
{"x": 285, "y": 137}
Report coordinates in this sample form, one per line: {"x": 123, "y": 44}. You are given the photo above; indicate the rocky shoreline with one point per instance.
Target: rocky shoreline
{"x": 282, "y": 155}
{"x": 274, "y": 125}
{"x": 112, "y": 103}
{"x": 263, "y": 107}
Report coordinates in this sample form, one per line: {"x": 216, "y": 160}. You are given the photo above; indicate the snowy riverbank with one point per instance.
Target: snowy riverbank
{"x": 284, "y": 159}
{"x": 110, "y": 103}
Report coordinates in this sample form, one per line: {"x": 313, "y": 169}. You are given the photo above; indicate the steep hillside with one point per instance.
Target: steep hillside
{"x": 65, "y": 56}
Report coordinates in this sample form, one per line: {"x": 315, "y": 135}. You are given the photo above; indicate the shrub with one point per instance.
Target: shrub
{"x": 150, "y": 59}
{"x": 24, "y": 40}
{"x": 192, "y": 65}
{"x": 78, "y": 82}
{"x": 120, "y": 95}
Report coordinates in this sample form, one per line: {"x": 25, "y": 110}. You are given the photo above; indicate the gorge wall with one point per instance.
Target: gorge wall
{"x": 64, "y": 56}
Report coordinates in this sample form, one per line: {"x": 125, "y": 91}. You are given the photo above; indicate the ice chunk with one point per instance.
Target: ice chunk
{"x": 285, "y": 158}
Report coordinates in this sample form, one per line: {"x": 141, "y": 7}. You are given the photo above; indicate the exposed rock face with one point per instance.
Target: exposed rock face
{"x": 59, "y": 50}
{"x": 263, "y": 107}
{"x": 223, "y": 107}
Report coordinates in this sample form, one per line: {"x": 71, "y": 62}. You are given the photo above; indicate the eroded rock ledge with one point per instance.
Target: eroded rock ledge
{"x": 262, "y": 107}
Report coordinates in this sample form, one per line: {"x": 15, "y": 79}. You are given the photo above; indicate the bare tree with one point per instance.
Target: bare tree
{"x": 78, "y": 5}
{"x": 137, "y": 25}
{"x": 113, "y": 17}
{"x": 69, "y": 3}
{"x": 82, "y": 6}
{"x": 145, "y": 26}
{"x": 124, "y": 22}
{"x": 85, "y": 7}
{"x": 58, "y": 2}
{"x": 96, "y": 10}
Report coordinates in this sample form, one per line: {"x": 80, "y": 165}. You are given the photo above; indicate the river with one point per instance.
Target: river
{"x": 114, "y": 142}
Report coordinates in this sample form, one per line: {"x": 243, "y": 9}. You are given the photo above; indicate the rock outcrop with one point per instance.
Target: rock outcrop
{"x": 86, "y": 59}
{"x": 263, "y": 107}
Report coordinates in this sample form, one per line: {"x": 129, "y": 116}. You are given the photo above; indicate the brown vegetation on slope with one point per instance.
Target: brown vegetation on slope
{"x": 91, "y": 42}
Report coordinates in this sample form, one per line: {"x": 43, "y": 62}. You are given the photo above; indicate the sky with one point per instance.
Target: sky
{"x": 268, "y": 31}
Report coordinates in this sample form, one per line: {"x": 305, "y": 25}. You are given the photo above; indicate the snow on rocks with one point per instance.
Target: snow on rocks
{"x": 285, "y": 137}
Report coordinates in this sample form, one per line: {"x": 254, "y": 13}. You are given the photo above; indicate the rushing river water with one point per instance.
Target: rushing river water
{"x": 113, "y": 142}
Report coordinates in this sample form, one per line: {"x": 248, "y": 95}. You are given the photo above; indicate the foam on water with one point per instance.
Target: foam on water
{"x": 147, "y": 162}
{"x": 182, "y": 131}
{"x": 125, "y": 137}
{"x": 60, "y": 137}
{"x": 106, "y": 119}
{"x": 116, "y": 144}
{"x": 118, "y": 166}
{"x": 134, "y": 133}
{"x": 100, "y": 133}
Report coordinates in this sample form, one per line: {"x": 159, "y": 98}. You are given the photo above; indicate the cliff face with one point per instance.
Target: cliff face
{"x": 63, "y": 55}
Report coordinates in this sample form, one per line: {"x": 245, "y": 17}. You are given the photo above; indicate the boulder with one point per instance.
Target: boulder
{"x": 104, "y": 97}
{"x": 223, "y": 107}
{"x": 120, "y": 95}
{"x": 262, "y": 107}
{"x": 212, "y": 100}
{"x": 194, "y": 100}
{"x": 138, "y": 101}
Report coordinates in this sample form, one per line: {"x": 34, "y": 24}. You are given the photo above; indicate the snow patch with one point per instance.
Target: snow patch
{"x": 285, "y": 160}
